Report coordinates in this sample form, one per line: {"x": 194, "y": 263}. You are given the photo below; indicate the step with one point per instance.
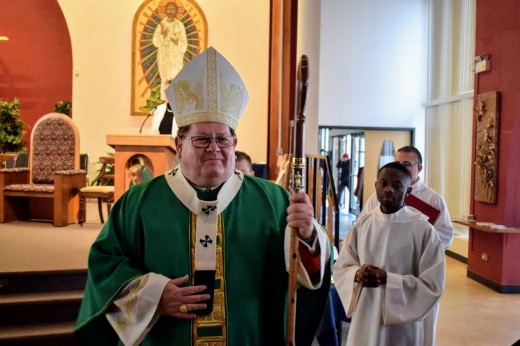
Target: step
{"x": 42, "y": 281}
{"x": 35, "y": 308}
{"x": 57, "y": 334}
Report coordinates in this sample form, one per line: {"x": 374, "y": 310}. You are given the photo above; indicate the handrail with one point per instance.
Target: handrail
{"x": 315, "y": 162}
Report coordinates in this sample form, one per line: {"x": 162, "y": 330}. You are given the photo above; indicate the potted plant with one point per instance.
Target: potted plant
{"x": 11, "y": 127}
{"x": 63, "y": 107}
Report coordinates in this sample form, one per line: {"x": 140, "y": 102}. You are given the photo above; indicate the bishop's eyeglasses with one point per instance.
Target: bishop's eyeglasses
{"x": 205, "y": 141}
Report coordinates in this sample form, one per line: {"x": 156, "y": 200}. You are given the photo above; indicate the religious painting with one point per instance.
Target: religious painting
{"x": 139, "y": 169}
{"x": 166, "y": 35}
{"x": 486, "y": 141}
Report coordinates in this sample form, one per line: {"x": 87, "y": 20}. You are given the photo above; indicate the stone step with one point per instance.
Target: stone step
{"x": 38, "y": 308}
{"x": 42, "y": 281}
{"x": 56, "y": 334}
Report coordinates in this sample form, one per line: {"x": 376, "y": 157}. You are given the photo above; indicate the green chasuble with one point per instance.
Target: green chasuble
{"x": 150, "y": 230}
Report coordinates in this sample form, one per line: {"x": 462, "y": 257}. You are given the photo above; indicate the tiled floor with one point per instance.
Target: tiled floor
{"x": 472, "y": 314}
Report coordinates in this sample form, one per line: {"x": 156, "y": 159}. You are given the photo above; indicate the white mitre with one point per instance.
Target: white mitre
{"x": 207, "y": 89}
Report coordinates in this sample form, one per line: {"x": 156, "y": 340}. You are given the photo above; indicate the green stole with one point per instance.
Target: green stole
{"x": 206, "y": 208}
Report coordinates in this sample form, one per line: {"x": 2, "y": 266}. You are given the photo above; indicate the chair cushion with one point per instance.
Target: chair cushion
{"x": 14, "y": 170}
{"x": 72, "y": 172}
{"x": 30, "y": 187}
{"x": 95, "y": 188}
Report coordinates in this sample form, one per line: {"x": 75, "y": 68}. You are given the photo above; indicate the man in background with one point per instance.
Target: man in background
{"x": 411, "y": 158}
{"x": 243, "y": 163}
{"x": 343, "y": 167}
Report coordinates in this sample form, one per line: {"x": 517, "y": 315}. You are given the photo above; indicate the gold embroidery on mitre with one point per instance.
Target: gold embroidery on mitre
{"x": 232, "y": 98}
{"x": 217, "y": 317}
{"x": 207, "y": 117}
{"x": 186, "y": 96}
{"x": 212, "y": 81}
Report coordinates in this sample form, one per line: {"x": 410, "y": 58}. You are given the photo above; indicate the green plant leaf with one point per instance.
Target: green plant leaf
{"x": 11, "y": 127}
{"x": 63, "y": 107}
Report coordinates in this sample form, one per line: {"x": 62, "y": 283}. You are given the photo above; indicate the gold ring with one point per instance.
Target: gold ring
{"x": 183, "y": 308}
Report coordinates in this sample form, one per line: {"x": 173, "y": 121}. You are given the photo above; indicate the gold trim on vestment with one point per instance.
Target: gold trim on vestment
{"x": 217, "y": 317}
{"x": 130, "y": 302}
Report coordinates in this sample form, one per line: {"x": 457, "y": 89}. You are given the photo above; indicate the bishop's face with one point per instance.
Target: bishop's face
{"x": 207, "y": 154}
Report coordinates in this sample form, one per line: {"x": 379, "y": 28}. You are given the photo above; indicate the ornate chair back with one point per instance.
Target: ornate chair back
{"x": 54, "y": 147}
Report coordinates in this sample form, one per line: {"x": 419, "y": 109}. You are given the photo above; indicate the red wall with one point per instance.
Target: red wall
{"x": 36, "y": 62}
{"x": 498, "y": 33}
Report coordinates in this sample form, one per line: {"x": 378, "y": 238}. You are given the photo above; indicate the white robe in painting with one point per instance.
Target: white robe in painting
{"x": 170, "y": 39}
{"x": 408, "y": 248}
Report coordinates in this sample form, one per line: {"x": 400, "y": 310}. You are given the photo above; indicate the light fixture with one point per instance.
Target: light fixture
{"x": 4, "y": 38}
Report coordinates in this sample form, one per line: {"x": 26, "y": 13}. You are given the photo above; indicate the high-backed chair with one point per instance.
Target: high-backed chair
{"x": 103, "y": 191}
{"x": 49, "y": 188}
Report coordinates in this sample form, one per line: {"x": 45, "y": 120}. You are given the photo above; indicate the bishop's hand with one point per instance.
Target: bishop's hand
{"x": 180, "y": 301}
{"x": 300, "y": 214}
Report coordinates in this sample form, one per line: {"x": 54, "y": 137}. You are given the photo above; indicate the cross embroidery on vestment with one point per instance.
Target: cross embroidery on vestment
{"x": 206, "y": 241}
{"x": 209, "y": 209}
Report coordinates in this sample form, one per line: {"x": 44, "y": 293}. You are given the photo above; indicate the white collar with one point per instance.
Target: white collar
{"x": 207, "y": 213}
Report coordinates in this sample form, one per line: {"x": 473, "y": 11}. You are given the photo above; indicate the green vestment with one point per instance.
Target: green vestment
{"x": 149, "y": 231}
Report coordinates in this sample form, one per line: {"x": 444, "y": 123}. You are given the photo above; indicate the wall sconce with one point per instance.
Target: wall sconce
{"x": 4, "y": 38}
{"x": 482, "y": 63}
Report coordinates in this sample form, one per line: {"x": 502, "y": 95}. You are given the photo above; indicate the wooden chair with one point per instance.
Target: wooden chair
{"x": 48, "y": 189}
{"x": 102, "y": 191}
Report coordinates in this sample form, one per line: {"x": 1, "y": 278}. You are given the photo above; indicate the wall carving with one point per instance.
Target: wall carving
{"x": 486, "y": 154}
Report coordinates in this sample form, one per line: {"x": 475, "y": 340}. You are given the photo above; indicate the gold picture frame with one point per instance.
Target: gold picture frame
{"x": 148, "y": 22}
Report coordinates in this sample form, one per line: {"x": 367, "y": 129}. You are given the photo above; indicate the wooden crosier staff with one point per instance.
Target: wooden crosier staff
{"x": 296, "y": 184}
